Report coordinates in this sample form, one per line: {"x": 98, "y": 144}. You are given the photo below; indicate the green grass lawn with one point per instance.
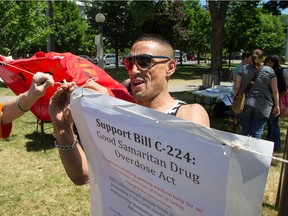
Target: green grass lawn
{"x": 34, "y": 183}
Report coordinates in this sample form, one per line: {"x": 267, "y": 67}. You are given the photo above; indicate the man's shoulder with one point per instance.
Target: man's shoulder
{"x": 191, "y": 109}
{"x": 195, "y": 113}
{"x": 238, "y": 68}
{"x": 239, "y": 65}
{"x": 185, "y": 109}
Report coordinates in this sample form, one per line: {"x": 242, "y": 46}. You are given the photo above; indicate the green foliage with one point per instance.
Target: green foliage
{"x": 248, "y": 26}
{"x": 271, "y": 37}
{"x": 142, "y": 11}
{"x": 119, "y": 28}
{"x": 23, "y": 26}
{"x": 284, "y": 20}
{"x": 274, "y": 7}
{"x": 25, "y": 29}
{"x": 185, "y": 24}
{"x": 199, "y": 28}
{"x": 69, "y": 27}
{"x": 241, "y": 26}
{"x": 166, "y": 18}
{"x": 171, "y": 23}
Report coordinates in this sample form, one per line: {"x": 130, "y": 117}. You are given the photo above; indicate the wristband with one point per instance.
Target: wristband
{"x": 18, "y": 105}
{"x": 66, "y": 147}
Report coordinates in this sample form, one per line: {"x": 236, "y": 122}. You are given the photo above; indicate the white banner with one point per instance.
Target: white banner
{"x": 143, "y": 162}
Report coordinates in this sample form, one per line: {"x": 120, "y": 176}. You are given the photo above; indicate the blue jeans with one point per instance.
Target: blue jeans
{"x": 252, "y": 122}
{"x": 273, "y": 133}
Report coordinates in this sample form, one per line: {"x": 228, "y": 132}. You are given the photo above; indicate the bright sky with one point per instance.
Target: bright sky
{"x": 285, "y": 11}
{"x": 203, "y": 2}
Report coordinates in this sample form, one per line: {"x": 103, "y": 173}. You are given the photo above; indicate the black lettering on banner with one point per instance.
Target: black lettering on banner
{"x": 175, "y": 168}
{"x": 113, "y": 130}
{"x": 135, "y": 162}
{"x": 167, "y": 178}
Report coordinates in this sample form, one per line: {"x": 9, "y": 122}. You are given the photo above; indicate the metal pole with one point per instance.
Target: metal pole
{"x": 286, "y": 53}
{"x": 101, "y": 61}
{"x": 100, "y": 18}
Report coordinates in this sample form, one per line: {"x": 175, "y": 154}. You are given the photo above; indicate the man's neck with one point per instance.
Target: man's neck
{"x": 161, "y": 103}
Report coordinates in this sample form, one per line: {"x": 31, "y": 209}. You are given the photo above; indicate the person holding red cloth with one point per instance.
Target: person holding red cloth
{"x": 17, "y": 106}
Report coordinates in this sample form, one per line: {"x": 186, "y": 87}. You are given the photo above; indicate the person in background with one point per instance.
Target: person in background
{"x": 17, "y": 106}
{"x": 273, "y": 133}
{"x": 260, "y": 100}
{"x": 150, "y": 64}
{"x": 246, "y": 59}
{"x": 281, "y": 60}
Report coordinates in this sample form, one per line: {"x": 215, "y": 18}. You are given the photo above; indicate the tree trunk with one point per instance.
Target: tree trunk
{"x": 230, "y": 56}
{"x": 198, "y": 56}
{"x": 282, "y": 194}
{"x": 283, "y": 209}
{"x": 218, "y": 11}
{"x": 181, "y": 57}
{"x": 116, "y": 58}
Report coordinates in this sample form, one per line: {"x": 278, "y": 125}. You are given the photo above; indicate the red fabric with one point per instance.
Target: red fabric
{"x": 61, "y": 66}
{"x": 283, "y": 105}
{"x": 5, "y": 130}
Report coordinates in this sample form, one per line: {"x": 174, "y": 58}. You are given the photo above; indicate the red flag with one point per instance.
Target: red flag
{"x": 17, "y": 74}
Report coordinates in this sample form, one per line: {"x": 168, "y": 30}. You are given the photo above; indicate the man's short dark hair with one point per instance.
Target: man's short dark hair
{"x": 157, "y": 38}
{"x": 154, "y": 37}
{"x": 246, "y": 55}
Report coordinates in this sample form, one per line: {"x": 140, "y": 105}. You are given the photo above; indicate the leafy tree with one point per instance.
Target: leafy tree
{"x": 143, "y": 11}
{"x": 284, "y": 20}
{"x": 23, "y": 26}
{"x": 166, "y": 18}
{"x": 271, "y": 36}
{"x": 275, "y": 7}
{"x": 25, "y": 30}
{"x": 248, "y": 26}
{"x": 199, "y": 28}
{"x": 169, "y": 22}
{"x": 69, "y": 28}
{"x": 134, "y": 18}
{"x": 242, "y": 24}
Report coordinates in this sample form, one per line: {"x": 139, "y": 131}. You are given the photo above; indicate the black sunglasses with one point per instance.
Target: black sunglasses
{"x": 143, "y": 61}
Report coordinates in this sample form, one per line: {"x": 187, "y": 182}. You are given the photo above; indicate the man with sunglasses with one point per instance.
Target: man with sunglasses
{"x": 150, "y": 64}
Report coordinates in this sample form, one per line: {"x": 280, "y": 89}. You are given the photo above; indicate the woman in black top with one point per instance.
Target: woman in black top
{"x": 273, "y": 133}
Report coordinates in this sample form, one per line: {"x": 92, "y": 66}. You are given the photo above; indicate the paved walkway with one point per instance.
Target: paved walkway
{"x": 178, "y": 85}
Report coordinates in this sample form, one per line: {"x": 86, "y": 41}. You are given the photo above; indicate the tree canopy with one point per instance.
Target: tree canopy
{"x": 23, "y": 26}
{"x": 229, "y": 26}
{"x": 69, "y": 28}
{"x": 275, "y": 7}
